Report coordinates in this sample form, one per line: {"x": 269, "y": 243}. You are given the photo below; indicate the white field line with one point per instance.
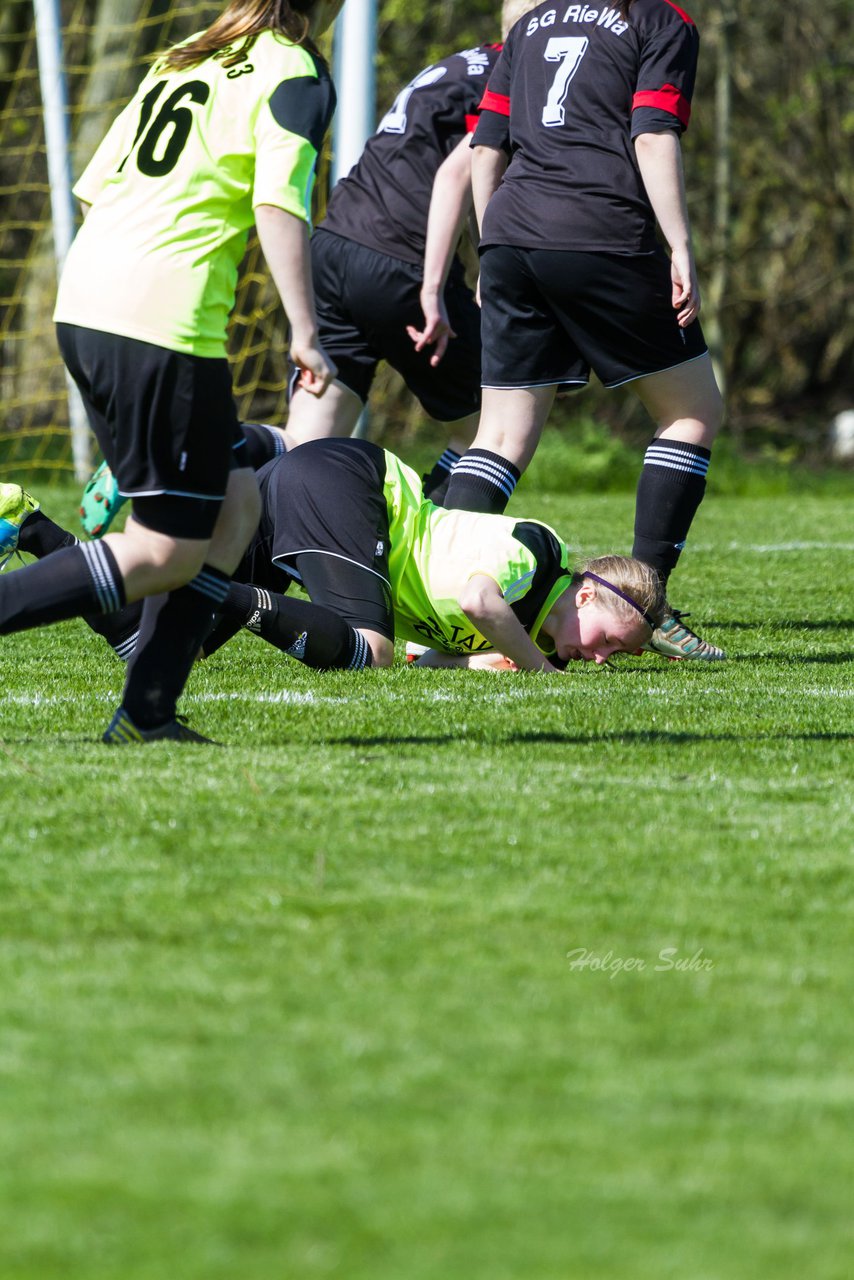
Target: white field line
{"x": 293, "y": 697}
{"x": 765, "y": 548}
{"x": 280, "y": 696}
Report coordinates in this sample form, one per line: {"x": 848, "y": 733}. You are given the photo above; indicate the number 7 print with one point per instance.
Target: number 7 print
{"x": 568, "y": 52}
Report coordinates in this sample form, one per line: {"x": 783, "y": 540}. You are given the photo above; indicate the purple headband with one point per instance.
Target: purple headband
{"x": 650, "y": 621}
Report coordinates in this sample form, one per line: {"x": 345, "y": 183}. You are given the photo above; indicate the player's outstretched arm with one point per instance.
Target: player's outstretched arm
{"x": 450, "y": 204}
{"x": 489, "y": 661}
{"x": 284, "y": 240}
{"x": 482, "y": 602}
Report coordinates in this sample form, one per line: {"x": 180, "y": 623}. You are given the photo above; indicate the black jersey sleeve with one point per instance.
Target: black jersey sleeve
{"x": 493, "y": 126}
{"x": 668, "y": 67}
{"x": 305, "y": 106}
{"x": 651, "y": 120}
{"x": 492, "y": 131}
{"x": 551, "y": 565}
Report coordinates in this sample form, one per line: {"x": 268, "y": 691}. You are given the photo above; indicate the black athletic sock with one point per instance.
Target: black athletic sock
{"x": 171, "y": 633}
{"x": 308, "y": 632}
{"x": 39, "y": 536}
{"x": 482, "y": 481}
{"x": 670, "y": 489}
{"x": 438, "y": 495}
{"x": 434, "y": 483}
{"x": 223, "y": 630}
{"x": 120, "y": 630}
{"x": 70, "y": 582}
{"x": 263, "y": 444}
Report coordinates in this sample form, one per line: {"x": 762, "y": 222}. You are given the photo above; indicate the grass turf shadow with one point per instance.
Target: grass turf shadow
{"x": 639, "y": 736}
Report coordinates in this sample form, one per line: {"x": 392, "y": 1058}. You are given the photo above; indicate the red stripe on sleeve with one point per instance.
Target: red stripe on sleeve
{"x": 667, "y": 98}
{"x": 682, "y": 14}
{"x": 496, "y": 102}
{"x": 471, "y": 123}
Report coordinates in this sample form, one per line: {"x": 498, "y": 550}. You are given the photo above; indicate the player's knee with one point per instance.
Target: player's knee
{"x": 714, "y": 415}
{"x": 244, "y": 507}
{"x": 151, "y": 562}
{"x": 708, "y": 414}
{"x": 335, "y": 413}
{"x": 382, "y": 649}
{"x": 701, "y": 428}
{"x": 176, "y": 566}
{"x": 237, "y": 522}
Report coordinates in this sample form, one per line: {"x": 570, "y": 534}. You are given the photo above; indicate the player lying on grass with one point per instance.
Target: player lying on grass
{"x": 348, "y": 520}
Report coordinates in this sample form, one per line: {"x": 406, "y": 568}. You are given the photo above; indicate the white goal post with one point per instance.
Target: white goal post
{"x": 54, "y": 93}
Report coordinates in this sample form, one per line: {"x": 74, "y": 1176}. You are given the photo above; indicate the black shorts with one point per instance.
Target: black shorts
{"x": 366, "y": 299}
{"x": 324, "y": 520}
{"x": 552, "y": 315}
{"x": 165, "y": 421}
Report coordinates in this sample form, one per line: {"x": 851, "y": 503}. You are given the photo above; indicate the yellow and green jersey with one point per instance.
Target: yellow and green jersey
{"x": 174, "y": 185}
{"x": 434, "y": 552}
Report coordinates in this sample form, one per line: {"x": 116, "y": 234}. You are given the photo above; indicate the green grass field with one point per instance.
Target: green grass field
{"x": 388, "y": 989}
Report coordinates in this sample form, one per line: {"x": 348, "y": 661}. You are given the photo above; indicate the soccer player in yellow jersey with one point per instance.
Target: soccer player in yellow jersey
{"x": 222, "y": 133}
{"x": 348, "y": 520}
{"x": 379, "y": 562}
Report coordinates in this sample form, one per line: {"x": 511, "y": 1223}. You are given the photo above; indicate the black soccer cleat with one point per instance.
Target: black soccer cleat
{"x": 122, "y": 732}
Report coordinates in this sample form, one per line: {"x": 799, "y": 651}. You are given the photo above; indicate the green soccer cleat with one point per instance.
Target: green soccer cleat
{"x": 674, "y": 640}
{"x": 100, "y": 503}
{"x": 122, "y": 732}
{"x": 15, "y": 506}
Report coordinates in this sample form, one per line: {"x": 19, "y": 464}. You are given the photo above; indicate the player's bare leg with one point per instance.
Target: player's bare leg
{"x": 435, "y": 481}
{"x": 685, "y": 402}
{"x": 511, "y": 422}
{"x": 335, "y": 413}
{"x": 382, "y": 649}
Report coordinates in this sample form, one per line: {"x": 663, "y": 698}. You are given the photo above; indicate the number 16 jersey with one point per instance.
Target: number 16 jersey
{"x": 174, "y": 185}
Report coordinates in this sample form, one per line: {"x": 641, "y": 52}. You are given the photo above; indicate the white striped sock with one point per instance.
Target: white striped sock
{"x": 106, "y": 588}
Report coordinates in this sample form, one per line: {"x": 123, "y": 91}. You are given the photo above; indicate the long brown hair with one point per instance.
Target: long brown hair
{"x": 244, "y": 20}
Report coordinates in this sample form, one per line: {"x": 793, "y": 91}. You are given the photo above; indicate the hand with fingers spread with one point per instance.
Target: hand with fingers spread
{"x": 437, "y": 331}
